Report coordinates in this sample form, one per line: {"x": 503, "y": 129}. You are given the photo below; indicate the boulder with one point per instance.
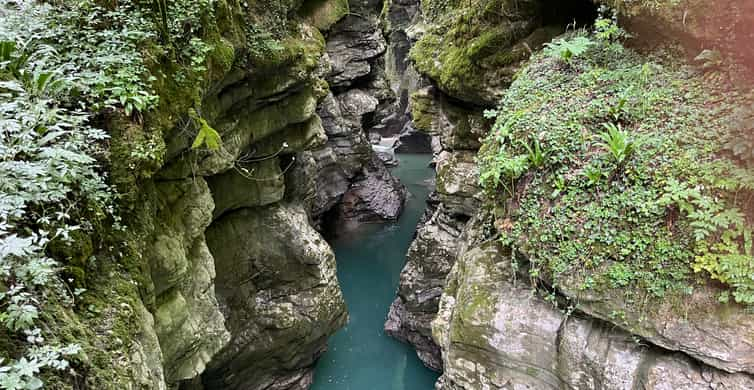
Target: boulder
{"x": 458, "y": 182}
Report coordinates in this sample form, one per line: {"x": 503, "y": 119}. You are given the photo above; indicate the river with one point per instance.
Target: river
{"x": 361, "y": 356}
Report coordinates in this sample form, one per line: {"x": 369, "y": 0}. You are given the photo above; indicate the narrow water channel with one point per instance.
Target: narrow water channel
{"x": 361, "y": 356}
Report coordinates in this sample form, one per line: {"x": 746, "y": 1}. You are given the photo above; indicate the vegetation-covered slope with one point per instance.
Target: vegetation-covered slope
{"x": 623, "y": 170}
{"x": 90, "y": 91}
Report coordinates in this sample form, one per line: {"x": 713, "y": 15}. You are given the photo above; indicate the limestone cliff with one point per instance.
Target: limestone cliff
{"x": 462, "y": 303}
{"x": 238, "y": 289}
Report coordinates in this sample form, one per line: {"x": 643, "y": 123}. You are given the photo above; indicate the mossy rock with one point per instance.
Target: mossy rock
{"x": 472, "y": 51}
{"x": 75, "y": 251}
{"x": 252, "y": 184}
{"x": 459, "y": 128}
{"x": 619, "y": 233}
{"x": 322, "y": 14}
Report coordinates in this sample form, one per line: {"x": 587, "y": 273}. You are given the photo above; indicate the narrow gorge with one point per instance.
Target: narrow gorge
{"x": 376, "y": 194}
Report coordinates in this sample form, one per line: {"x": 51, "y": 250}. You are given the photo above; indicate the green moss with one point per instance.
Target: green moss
{"x": 472, "y": 51}
{"x": 76, "y": 251}
{"x": 421, "y": 110}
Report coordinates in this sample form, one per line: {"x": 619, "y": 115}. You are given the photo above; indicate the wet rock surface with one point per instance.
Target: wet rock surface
{"x": 352, "y": 171}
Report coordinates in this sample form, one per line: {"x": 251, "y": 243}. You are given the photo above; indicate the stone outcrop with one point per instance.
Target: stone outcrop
{"x": 277, "y": 288}
{"x": 492, "y": 329}
{"x": 429, "y": 259}
{"x": 187, "y": 319}
{"x": 715, "y": 334}
{"x": 353, "y": 45}
{"x": 244, "y": 289}
{"x": 496, "y": 332}
{"x": 349, "y": 174}
{"x": 377, "y": 197}
{"x": 472, "y": 51}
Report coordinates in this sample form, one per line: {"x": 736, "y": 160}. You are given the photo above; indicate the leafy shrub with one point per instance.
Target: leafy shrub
{"x": 606, "y": 28}
{"x": 568, "y": 49}
{"x": 50, "y": 188}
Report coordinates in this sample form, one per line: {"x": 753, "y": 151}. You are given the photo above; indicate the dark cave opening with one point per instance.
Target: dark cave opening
{"x": 573, "y": 13}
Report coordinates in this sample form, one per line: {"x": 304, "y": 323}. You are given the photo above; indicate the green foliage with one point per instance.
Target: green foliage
{"x": 678, "y": 213}
{"x": 594, "y": 174}
{"x": 617, "y": 142}
{"x": 66, "y": 67}
{"x": 568, "y": 49}
{"x": 261, "y": 43}
{"x": 51, "y": 188}
{"x": 95, "y": 47}
{"x": 606, "y": 28}
{"x": 206, "y": 134}
{"x": 537, "y": 157}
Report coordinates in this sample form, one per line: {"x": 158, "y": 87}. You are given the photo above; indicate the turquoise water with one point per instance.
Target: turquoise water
{"x": 361, "y": 356}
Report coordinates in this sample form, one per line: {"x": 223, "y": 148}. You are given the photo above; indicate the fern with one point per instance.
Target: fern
{"x": 617, "y": 142}
{"x": 537, "y": 156}
{"x": 567, "y": 50}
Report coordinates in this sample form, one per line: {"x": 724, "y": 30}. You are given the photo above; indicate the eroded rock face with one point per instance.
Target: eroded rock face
{"x": 720, "y": 335}
{"x": 377, "y": 197}
{"x": 353, "y": 45}
{"x": 349, "y": 174}
{"x": 458, "y": 182}
{"x": 278, "y": 289}
{"x": 457, "y": 128}
{"x": 187, "y": 319}
{"x": 267, "y": 117}
{"x": 429, "y": 259}
{"x": 497, "y": 333}
{"x": 493, "y": 330}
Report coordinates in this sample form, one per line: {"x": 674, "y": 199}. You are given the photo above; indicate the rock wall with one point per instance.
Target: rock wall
{"x": 241, "y": 288}
{"x": 496, "y": 332}
{"x": 459, "y": 302}
{"x": 350, "y": 175}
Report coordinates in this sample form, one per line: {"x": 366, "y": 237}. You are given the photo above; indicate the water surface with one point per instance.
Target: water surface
{"x": 361, "y": 356}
